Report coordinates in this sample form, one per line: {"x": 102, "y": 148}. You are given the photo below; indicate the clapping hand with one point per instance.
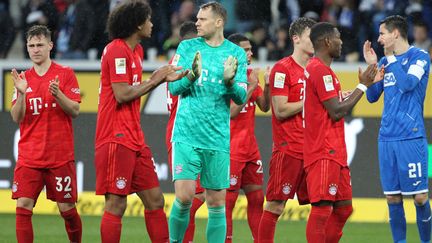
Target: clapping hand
{"x": 369, "y": 53}
{"x": 195, "y": 73}
{"x": 20, "y": 81}
{"x": 368, "y": 77}
{"x": 230, "y": 69}
{"x": 54, "y": 87}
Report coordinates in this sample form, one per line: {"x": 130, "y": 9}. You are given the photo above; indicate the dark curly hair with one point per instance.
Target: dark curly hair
{"x": 124, "y": 20}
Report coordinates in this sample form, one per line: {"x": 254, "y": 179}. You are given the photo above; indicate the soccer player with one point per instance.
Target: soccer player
{"x": 402, "y": 144}
{"x": 123, "y": 161}
{"x": 201, "y": 136}
{"x": 246, "y": 170}
{"x": 187, "y": 31}
{"x": 46, "y": 97}
{"x": 286, "y": 165}
{"x": 325, "y": 156}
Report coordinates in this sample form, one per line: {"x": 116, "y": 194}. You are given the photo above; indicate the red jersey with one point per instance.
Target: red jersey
{"x": 46, "y": 130}
{"x": 243, "y": 144}
{"x": 287, "y": 79}
{"x": 324, "y": 139}
{"x": 119, "y": 123}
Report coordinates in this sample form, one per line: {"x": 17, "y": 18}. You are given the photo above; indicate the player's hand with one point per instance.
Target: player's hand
{"x": 164, "y": 73}
{"x": 176, "y": 76}
{"x": 195, "y": 73}
{"x": 367, "y": 77}
{"x": 369, "y": 53}
{"x": 253, "y": 79}
{"x": 230, "y": 69}
{"x": 20, "y": 81}
{"x": 54, "y": 87}
{"x": 380, "y": 74}
{"x": 267, "y": 75}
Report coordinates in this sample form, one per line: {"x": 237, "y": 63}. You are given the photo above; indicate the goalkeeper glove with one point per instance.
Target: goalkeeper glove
{"x": 230, "y": 69}
{"x": 195, "y": 73}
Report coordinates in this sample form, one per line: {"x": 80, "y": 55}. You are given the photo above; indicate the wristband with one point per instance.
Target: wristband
{"x": 362, "y": 87}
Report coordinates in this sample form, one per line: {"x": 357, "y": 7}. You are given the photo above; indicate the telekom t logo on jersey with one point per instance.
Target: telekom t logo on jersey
{"x": 36, "y": 105}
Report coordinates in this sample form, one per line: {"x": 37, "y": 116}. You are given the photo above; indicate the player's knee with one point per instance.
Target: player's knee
{"x": 394, "y": 199}
{"x": 276, "y": 207}
{"x": 156, "y": 203}
{"x": 26, "y": 203}
{"x": 116, "y": 205}
{"x": 420, "y": 199}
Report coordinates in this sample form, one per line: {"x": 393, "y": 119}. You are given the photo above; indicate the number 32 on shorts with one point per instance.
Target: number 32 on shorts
{"x": 63, "y": 184}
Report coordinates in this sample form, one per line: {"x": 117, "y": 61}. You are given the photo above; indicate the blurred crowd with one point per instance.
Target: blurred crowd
{"x": 79, "y": 25}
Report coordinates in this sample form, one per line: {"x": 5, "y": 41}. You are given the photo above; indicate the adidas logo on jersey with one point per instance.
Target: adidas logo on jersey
{"x": 68, "y": 195}
{"x": 29, "y": 89}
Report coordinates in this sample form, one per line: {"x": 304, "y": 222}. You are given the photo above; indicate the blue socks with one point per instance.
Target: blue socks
{"x": 424, "y": 221}
{"x": 397, "y": 222}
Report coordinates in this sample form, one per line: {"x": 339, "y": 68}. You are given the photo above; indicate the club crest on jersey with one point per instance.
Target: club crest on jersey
{"x": 286, "y": 188}
{"x": 233, "y": 180}
{"x": 178, "y": 169}
{"x": 389, "y": 79}
{"x": 328, "y": 82}
{"x": 332, "y": 189}
{"x": 279, "y": 80}
{"x": 120, "y": 65}
{"x": 121, "y": 183}
{"x": 15, "y": 186}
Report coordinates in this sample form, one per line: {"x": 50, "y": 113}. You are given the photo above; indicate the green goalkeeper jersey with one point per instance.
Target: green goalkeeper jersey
{"x": 203, "y": 112}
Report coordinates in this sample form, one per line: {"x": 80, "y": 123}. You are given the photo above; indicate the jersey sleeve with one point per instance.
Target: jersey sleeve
{"x": 323, "y": 81}
{"x": 182, "y": 59}
{"x": 419, "y": 65}
{"x": 116, "y": 60}
{"x": 71, "y": 87}
{"x": 279, "y": 81}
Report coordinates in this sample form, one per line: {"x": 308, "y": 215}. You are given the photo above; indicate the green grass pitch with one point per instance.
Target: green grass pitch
{"x": 50, "y": 229}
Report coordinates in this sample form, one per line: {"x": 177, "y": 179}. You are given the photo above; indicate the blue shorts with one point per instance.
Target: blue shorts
{"x": 404, "y": 166}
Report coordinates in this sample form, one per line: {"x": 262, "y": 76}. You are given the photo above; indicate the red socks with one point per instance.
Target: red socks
{"x": 24, "y": 228}
{"x": 267, "y": 227}
{"x": 230, "y": 200}
{"x": 255, "y": 201}
{"x": 157, "y": 226}
{"x": 73, "y": 225}
{"x": 336, "y": 223}
{"x": 317, "y": 222}
{"x": 190, "y": 231}
{"x": 110, "y": 228}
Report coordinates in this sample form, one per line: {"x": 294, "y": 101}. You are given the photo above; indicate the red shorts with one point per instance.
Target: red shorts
{"x": 198, "y": 188}
{"x": 60, "y": 182}
{"x": 245, "y": 173}
{"x": 122, "y": 171}
{"x": 287, "y": 178}
{"x": 327, "y": 180}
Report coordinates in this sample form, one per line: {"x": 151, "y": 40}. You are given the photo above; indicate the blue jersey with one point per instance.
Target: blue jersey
{"x": 404, "y": 86}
